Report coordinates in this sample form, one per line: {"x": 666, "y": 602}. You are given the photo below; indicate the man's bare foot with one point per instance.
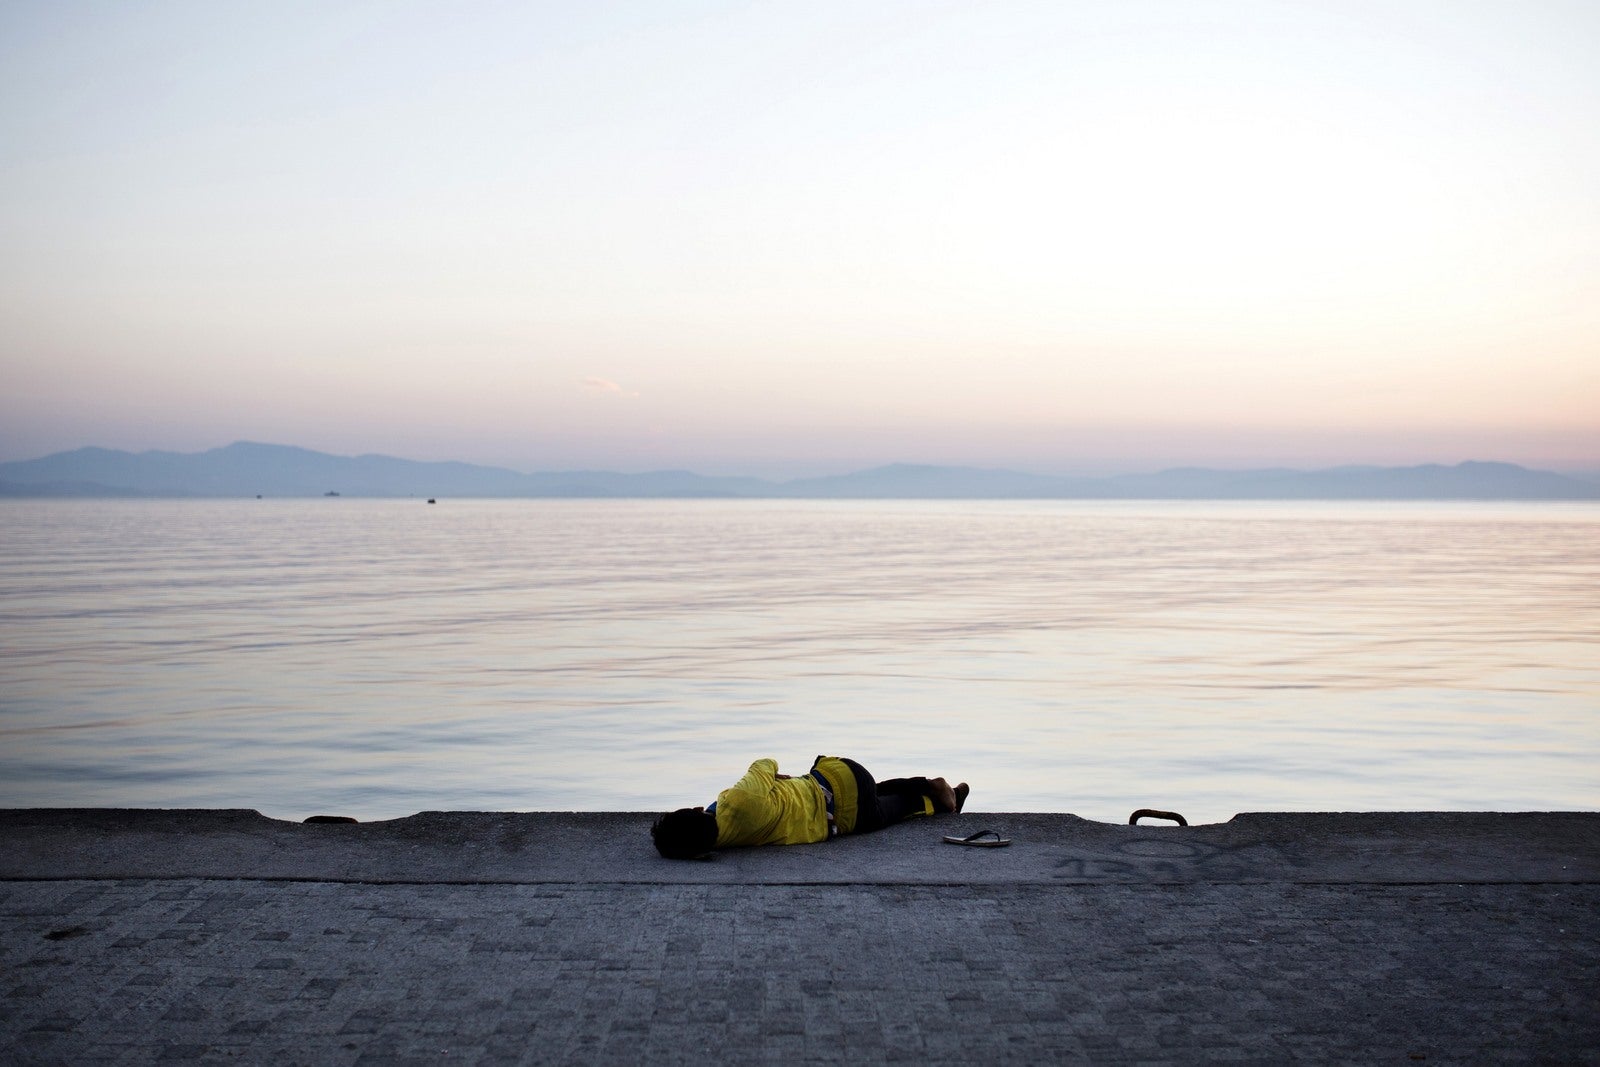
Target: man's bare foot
{"x": 944, "y": 798}
{"x": 961, "y": 795}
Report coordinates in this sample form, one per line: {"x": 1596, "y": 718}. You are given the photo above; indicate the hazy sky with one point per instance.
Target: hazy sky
{"x": 788, "y": 238}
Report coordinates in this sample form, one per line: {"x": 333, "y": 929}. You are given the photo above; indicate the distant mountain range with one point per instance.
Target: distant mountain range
{"x": 245, "y": 469}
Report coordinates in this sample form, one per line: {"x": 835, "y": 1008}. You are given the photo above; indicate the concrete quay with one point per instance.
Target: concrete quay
{"x": 133, "y": 936}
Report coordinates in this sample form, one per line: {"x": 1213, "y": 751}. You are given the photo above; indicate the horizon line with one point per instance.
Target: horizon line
{"x": 1583, "y": 469}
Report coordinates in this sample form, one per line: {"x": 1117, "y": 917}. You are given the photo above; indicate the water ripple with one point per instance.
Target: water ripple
{"x": 380, "y": 658}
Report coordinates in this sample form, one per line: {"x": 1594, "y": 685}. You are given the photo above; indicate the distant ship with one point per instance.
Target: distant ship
{"x": 330, "y": 492}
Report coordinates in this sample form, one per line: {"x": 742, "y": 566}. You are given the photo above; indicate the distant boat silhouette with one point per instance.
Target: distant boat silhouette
{"x": 330, "y": 492}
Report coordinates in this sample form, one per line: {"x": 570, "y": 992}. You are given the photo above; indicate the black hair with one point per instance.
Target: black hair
{"x": 685, "y": 834}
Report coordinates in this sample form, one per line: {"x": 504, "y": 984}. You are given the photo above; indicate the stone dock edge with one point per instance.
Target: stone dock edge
{"x": 532, "y": 848}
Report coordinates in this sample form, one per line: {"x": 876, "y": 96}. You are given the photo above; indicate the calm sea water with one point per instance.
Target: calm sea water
{"x": 377, "y": 658}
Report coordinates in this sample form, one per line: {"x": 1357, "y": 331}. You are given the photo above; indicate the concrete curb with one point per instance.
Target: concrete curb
{"x": 537, "y": 848}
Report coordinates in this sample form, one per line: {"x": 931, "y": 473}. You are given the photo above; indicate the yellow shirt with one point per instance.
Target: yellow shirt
{"x": 762, "y": 809}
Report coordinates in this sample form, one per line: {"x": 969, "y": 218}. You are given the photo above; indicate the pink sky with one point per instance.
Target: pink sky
{"x": 794, "y": 239}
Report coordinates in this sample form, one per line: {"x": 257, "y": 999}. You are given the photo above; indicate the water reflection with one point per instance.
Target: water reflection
{"x": 378, "y": 658}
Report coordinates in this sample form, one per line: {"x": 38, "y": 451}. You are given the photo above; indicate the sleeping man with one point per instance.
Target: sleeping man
{"x": 838, "y": 796}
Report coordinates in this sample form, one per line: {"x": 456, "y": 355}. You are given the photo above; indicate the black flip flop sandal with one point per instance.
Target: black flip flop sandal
{"x": 981, "y": 839}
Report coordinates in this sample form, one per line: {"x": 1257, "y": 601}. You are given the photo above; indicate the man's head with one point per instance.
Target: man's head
{"x": 685, "y": 834}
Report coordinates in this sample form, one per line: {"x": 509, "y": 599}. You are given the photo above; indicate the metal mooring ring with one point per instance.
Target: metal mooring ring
{"x": 1152, "y": 813}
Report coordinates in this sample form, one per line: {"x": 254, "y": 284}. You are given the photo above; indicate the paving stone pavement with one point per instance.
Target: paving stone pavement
{"x": 255, "y": 971}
